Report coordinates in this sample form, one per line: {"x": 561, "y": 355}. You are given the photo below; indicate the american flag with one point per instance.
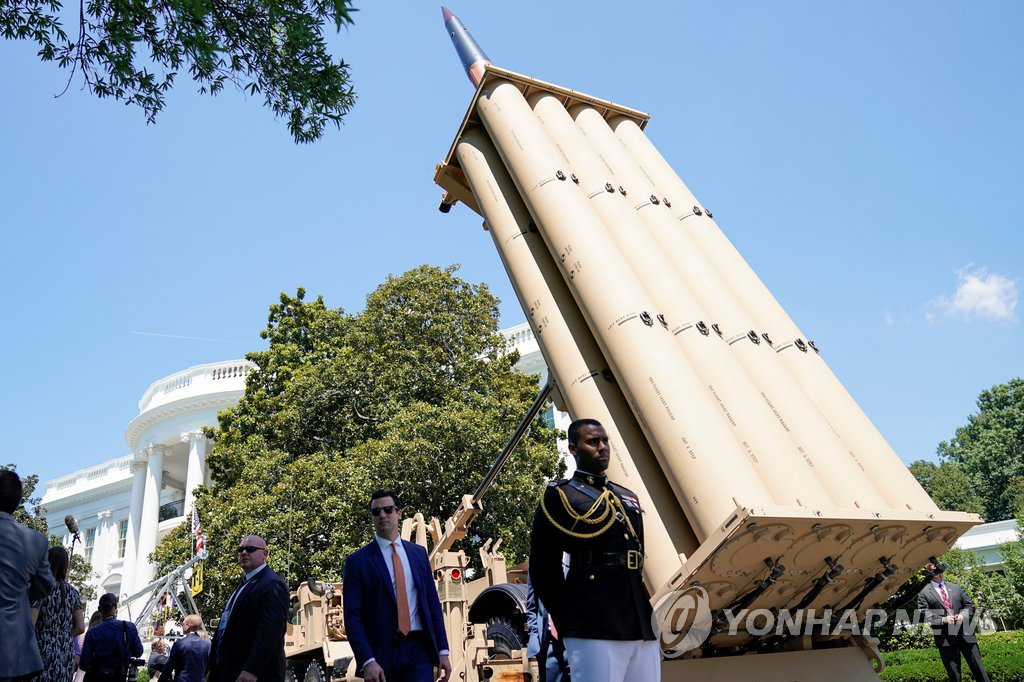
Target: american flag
{"x": 197, "y": 530}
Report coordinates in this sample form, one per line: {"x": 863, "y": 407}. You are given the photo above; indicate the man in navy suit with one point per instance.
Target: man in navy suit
{"x": 190, "y": 655}
{"x": 948, "y": 609}
{"x": 108, "y": 646}
{"x": 249, "y": 642}
{"x": 392, "y": 613}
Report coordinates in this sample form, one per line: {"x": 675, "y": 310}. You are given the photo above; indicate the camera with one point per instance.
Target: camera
{"x": 133, "y": 668}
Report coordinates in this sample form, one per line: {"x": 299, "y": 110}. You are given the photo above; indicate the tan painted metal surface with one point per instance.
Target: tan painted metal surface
{"x": 690, "y": 437}
{"x": 593, "y": 270}
{"x": 575, "y": 362}
{"x": 841, "y": 475}
{"x": 889, "y": 475}
{"x": 785, "y": 471}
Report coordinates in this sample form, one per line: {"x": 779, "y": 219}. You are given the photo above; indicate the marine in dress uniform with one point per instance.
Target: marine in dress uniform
{"x": 600, "y": 606}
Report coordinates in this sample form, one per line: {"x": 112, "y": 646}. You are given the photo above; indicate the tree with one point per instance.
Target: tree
{"x": 991, "y": 591}
{"x": 417, "y": 392}
{"x": 990, "y": 450}
{"x": 949, "y": 486}
{"x": 30, "y": 514}
{"x": 132, "y": 50}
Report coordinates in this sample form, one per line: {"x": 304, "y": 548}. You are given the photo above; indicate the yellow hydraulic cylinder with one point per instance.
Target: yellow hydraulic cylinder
{"x": 889, "y": 475}
{"x": 709, "y": 473}
{"x": 787, "y": 472}
{"x": 837, "y": 470}
{"x": 574, "y": 361}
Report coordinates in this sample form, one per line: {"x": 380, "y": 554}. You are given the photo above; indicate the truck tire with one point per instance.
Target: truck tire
{"x": 315, "y": 672}
{"x": 503, "y": 632}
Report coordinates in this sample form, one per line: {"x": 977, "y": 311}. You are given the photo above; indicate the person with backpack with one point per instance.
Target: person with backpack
{"x": 109, "y": 647}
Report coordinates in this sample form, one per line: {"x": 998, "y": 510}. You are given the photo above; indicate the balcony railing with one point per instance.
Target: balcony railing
{"x": 172, "y": 510}
{"x": 200, "y": 380}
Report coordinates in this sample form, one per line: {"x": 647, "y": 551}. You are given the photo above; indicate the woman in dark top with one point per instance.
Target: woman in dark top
{"x": 58, "y": 619}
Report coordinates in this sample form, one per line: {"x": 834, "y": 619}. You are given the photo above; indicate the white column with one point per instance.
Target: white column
{"x": 101, "y": 550}
{"x": 150, "y": 515}
{"x": 131, "y": 549}
{"x": 196, "y": 475}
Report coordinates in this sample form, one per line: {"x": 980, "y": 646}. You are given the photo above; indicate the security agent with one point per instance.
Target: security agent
{"x": 600, "y": 607}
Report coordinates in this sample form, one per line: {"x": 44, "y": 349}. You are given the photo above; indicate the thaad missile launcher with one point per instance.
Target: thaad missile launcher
{"x": 767, "y": 490}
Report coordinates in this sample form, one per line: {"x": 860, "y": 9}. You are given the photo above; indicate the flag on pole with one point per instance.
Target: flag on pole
{"x": 196, "y": 583}
{"x": 197, "y": 530}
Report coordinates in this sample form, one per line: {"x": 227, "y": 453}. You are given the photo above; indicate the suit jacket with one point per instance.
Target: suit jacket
{"x": 24, "y": 577}
{"x": 598, "y": 598}
{"x": 929, "y": 603}
{"x": 371, "y": 612}
{"x": 189, "y": 659}
{"x": 253, "y": 639}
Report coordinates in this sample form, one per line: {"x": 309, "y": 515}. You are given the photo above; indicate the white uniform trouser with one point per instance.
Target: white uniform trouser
{"x": 611, "y": 660}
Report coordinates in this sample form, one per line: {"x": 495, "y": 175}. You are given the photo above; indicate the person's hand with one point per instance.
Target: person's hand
{"x": 948, "y": 620}
{"x": 444, "y": 669}
{"x": 373, "y": 672}
{"x": 551, "y": 627}
{"x": 246, "y": 676}
{"x": 959, "y": 617}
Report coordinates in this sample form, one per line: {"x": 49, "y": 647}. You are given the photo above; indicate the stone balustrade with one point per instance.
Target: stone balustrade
{"x": 201, "y": 379}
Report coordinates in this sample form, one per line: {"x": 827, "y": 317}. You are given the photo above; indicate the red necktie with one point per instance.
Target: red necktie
{"x": 404, "y": 620}
{"x": 945, "y": 599}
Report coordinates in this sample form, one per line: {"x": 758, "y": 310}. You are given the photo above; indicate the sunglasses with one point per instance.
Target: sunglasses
{"x": 250, "y": 549}
{"x": 376, "y": 511}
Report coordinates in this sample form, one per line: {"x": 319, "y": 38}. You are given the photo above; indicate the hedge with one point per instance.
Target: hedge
{"x": 1003, "y": 653}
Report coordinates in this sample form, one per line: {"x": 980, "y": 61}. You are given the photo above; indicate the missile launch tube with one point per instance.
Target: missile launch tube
{"x": 803, "y": 426}
{"x": 709, "y": 473}
{"x": 786, "y": 472}
{"x": 890, "y": 476}
{"x": 574, "y": 361}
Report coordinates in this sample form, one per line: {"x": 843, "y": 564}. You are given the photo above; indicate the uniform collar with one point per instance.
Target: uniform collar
{"x": 598, "y": 481}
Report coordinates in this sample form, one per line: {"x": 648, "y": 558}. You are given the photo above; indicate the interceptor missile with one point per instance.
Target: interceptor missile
{"x": 472, "y": 55}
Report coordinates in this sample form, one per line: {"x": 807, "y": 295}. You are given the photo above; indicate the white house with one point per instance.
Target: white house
{"x": 124, "y": 506}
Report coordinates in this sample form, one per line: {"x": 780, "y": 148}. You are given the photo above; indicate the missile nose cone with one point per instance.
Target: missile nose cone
{"x": 470, "y": 53}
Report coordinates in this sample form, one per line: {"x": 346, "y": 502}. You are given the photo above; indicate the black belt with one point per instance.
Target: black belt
{"x": 632, "y": 559}
{"x": 413, "y": 634}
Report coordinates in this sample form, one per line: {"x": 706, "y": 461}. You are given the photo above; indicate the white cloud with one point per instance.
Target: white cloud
{"x": 979, "y": 294}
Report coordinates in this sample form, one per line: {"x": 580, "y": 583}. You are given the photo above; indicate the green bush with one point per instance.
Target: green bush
{"x": 1003, "y": 653}
{"x": 142, "y": 675}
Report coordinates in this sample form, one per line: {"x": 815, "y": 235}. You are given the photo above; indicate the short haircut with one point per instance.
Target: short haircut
{"x": 10, "y": 491}
{"x": 386, "y": 492}
{"x": 107, "y": 602}
{"x": 193, "y": 621}
{"x": 573, "y": 433}
{"x": 58, "y": 558}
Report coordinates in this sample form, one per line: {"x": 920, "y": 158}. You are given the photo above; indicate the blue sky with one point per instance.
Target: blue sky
{"x": 866, "y": 158}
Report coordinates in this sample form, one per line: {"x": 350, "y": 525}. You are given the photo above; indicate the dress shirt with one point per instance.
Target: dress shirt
{"x": 246, "y": 581}
{"x": 415, "y": 619}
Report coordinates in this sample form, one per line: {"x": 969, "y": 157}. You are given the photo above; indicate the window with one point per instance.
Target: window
{"x": 90, "y": 543}
{"x": 122, "y": 538}
{"x": 549, "y": 416}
